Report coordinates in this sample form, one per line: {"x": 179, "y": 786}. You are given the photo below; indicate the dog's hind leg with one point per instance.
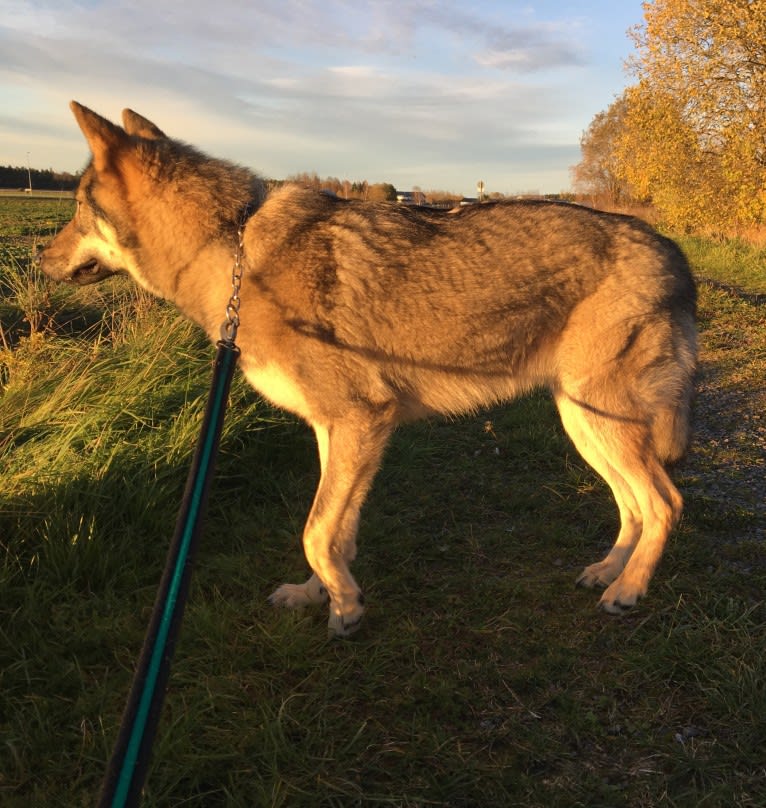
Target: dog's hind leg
{"x": 589, "y": 443}
{"x": 661, "y": 505}
{"x": 621, "y": 449}
{"x": 350, "y": 452}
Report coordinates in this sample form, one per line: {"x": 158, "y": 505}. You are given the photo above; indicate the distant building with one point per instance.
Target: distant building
{"x": 410, "y": 197}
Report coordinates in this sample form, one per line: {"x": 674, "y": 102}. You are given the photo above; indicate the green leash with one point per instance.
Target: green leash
{"x": 127, "y": 768}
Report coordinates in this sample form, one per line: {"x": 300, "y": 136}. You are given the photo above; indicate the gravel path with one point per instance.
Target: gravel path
{"x": 726, "y": 463}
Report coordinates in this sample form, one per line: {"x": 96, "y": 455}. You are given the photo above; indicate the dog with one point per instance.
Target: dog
{"x": 359, "y": 316}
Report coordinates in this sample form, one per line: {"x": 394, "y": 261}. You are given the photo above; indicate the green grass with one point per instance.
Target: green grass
{"x": 25, "y": 297}
{"x": 481, "y": 676}
{"x": 731, "y": 262}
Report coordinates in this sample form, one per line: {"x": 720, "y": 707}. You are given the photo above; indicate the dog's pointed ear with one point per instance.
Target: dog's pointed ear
{"x": 104, "y": 137}
{"x": 136, "y": 124}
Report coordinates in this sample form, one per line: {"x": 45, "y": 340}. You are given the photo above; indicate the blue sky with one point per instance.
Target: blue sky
{"x": 431, "y": 93}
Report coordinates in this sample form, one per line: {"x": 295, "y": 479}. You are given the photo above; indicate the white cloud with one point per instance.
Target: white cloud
{"x": 291, "y": 85}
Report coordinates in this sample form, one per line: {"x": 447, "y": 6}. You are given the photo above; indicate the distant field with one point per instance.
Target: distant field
{"x": 28, "y": 219}
{"x": 13, "y": 192}
{"x": 481, "y": 677}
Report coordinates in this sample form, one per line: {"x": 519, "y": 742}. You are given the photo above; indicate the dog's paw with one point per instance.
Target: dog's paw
{"x": 598, "y": 575}
{"x": 344, "y": 623}
{"x": 296, "y": 596}
{"x": 620, "y": 597}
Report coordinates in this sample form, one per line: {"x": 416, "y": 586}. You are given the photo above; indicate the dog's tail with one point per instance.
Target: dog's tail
{"x": 671, "y": 431}
{"x": 671, "y": 425}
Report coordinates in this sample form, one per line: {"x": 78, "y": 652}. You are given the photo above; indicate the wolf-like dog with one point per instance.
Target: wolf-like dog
{"x": 358, "y": 316}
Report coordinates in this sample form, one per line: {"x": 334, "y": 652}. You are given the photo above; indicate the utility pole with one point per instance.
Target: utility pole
{"x": 29, "y": 174}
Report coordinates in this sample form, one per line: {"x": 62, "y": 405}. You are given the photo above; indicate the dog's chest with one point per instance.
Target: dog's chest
{"x": 278, "y": 387}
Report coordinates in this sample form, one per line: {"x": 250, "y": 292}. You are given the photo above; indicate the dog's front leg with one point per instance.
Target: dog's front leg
{"x": 350, "y": 453}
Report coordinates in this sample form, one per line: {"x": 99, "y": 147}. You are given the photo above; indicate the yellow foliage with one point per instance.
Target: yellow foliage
{"x": 693, "y": 129}
{"x": 597, "y": 174}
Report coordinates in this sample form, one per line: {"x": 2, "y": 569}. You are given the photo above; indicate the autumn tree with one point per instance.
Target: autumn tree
{"x": 597, "y": 174}
{"x": 381, "y": 192}
{"x": 692, "y": 133}
{"x": 701, "y": 99}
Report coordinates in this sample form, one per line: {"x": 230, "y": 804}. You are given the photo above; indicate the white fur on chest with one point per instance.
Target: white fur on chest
{"x": 278, "y": 387}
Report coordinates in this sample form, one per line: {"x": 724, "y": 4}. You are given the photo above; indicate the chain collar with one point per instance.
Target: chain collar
{"x": 230, "y": 325}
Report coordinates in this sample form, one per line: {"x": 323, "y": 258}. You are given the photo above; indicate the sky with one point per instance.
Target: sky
{"x": 435, "y": 94}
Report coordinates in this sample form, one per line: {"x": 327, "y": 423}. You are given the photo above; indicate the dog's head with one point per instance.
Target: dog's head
{"x": 100, "y": 239}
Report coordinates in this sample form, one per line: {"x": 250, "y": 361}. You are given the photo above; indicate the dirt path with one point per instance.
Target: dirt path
{"x": 727, "y": 459}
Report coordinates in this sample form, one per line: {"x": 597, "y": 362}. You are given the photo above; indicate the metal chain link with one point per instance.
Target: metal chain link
{"x": 231, "y": 323}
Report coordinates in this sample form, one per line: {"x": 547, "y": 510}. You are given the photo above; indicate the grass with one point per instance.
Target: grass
{"x": 25, "y": 297}
{"x": 732, "y": 262}
{"x": 482, "y": 676}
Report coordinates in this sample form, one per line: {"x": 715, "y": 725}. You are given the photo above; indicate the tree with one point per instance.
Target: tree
{"x": 18, "y": 177}
{"x": 693, "y": 134}
{"x": 597, "y": 174}
{"x": 657, "y": 156}
{"x": 381, "y": 192}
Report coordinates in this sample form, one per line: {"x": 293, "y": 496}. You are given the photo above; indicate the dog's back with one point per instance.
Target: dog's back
{"x": 449, "y": 312}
